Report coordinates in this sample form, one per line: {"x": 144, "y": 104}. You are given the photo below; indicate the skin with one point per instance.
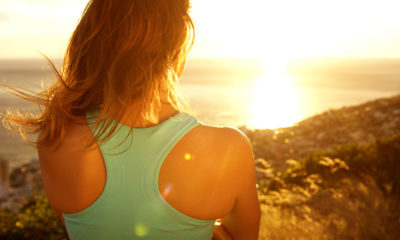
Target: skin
{"x": 221, "y": 158}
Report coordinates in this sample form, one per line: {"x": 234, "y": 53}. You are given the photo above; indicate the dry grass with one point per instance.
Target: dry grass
{"x": 351, "y": 207}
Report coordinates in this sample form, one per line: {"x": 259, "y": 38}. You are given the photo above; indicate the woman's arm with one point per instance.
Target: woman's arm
{"x": 60, "y": 216}
{"x": 220, "y": 232}
{"x": 243, "y": 220}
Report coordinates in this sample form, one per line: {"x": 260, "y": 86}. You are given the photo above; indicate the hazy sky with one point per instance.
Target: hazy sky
{"x": 228, "y": 28}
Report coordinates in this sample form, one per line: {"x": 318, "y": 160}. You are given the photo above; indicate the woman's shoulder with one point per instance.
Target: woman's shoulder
{"x": 219, "y": 145}
{"x": 65, "y": 164}
{"x": 73, "y": 139}
{"x": 226, "y": 137}
{"x": 216, "y": 162}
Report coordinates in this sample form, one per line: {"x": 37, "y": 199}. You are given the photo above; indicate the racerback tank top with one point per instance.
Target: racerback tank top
{"x": 131, "y": 205}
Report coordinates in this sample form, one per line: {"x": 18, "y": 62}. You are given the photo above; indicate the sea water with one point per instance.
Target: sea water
{"x": 235, "y": 92}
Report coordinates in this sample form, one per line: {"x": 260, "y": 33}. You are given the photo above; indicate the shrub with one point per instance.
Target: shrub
{"x": 350, "y": 192}
{"x": 34, "y": 220}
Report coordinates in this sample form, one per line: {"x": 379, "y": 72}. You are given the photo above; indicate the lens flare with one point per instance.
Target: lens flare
{"x": 188, "y": 156}
{"x": 141, "y": 230}
{"x": 167, "y": 190}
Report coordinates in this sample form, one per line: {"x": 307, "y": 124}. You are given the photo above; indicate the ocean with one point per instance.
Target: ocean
{"x": 235, "y": 92}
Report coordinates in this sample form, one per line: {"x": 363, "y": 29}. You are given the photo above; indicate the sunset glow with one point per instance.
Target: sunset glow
{"x": 229, "y": 28}
{"x": 309, "y": 28}
{"x": 275, "y": 99}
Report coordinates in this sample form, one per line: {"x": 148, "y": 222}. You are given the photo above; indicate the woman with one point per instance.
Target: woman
{"x": 120, "y": 159}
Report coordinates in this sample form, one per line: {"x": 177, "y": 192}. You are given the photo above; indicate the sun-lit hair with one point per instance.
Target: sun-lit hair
{"x": 121, "y": 51}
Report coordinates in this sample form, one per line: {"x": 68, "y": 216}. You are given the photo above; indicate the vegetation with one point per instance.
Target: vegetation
{"x": 34, "y": 220}
{"x": 350, "y": 192}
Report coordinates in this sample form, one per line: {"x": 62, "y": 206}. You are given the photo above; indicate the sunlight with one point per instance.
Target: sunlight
{"x": 308, "y": 28}
{"x": 275, "y": 99}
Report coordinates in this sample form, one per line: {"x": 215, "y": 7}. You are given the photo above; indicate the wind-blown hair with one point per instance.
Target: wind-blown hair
{"x": 121, "y": 51}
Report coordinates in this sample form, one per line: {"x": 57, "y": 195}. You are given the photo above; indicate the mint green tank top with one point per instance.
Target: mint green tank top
{"x": 131, "y": 205}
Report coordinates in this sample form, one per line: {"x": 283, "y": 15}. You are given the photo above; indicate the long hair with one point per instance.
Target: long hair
{"x": 120, "y": 51}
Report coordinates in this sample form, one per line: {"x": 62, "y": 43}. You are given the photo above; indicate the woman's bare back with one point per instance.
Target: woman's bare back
{"x": 209, "y": 174}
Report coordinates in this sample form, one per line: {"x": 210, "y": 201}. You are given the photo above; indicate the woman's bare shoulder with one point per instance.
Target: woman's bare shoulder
{"x": 221, "y": 145}
{"x": 65, "y": 164}
{"x": 214, "y": 162}
{"x": 224, "y": 137}
{"x": 72, "y": 145}
{"x": 234, "y": 145}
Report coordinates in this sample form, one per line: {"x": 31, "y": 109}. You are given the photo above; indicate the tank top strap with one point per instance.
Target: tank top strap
{"x": 131, "y": 204}
{"x": 177, "y": 128}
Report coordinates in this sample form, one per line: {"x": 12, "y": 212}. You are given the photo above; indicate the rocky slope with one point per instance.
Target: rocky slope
{"x": 354, "y": 124}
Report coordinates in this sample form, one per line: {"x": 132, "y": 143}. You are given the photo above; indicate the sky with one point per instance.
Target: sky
{"x": 266, "y": 29}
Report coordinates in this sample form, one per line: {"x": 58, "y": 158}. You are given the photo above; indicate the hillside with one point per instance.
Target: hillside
{"x": 354, "y": 124}
{"x": 333, "y": 176}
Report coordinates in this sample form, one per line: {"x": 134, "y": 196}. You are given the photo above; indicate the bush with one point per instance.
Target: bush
{"x": 350, "y": 192}
{"x": 34, "y": 220}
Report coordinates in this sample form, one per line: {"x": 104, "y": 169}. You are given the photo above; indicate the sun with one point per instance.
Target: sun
{"x": 275, "y": 98}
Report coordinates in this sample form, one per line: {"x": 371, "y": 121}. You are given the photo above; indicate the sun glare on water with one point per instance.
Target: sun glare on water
{"x": 275, "y": 98}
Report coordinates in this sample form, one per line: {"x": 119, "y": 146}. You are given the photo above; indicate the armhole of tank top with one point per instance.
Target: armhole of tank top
{"x": 103, "y": 195}
{"x": 182, "y": 132}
